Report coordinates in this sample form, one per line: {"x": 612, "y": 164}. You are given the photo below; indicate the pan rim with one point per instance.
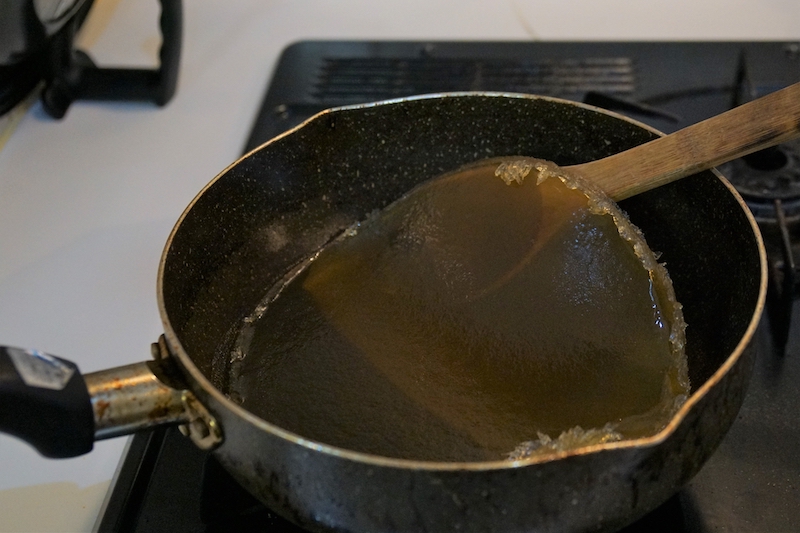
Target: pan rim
{"x": 198, "y": 378}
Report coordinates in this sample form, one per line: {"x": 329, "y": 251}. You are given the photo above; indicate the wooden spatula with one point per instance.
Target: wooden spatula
{"x": 759, "y": 124}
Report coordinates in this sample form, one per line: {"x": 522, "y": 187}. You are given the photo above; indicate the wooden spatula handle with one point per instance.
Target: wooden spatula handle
{"x": 759, "y": 124}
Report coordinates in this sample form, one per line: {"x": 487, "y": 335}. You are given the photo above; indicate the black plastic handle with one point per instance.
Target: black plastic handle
{"x": 44, "y": 401}
{"x": 75, "y": 77}
{"x": 156, "y": 86}
{"x": 171, "y": 23}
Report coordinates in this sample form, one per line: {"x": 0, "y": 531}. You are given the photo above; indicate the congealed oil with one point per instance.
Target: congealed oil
{"x": 501, "y": 311}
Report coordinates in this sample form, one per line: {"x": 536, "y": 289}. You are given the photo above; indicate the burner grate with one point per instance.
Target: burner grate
{"x": 768, "y": 175}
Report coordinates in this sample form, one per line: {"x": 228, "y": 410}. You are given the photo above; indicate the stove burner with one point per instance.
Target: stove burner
{"x": 766, "y": 176}
{"x": 769, "y": 182}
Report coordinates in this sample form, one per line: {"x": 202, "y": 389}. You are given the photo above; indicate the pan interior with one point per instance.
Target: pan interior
{"x": 469, "y": 319}
{"x": 278, "y": 205}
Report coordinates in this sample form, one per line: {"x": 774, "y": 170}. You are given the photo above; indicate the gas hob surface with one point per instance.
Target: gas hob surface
{"x": 752, "y": 482}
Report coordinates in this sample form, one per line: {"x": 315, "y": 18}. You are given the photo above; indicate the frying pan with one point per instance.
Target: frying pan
{"x": 308, "y": 185}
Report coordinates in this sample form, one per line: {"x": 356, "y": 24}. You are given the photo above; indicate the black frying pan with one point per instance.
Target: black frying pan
{"x": 316, "y": 180}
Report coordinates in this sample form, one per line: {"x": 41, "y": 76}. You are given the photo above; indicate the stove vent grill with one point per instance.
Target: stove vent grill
{"x": 355, "y": 80}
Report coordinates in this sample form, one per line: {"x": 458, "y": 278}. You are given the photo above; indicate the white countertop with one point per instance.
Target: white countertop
{"x": 86, "y": 203}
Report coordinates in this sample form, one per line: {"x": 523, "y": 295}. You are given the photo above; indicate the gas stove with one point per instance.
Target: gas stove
{"x": 752, "y": 482}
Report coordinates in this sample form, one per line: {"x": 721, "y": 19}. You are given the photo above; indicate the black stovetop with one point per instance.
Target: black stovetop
{"x": 752, "y": 482}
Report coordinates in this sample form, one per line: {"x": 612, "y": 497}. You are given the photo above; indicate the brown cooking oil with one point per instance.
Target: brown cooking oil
{"x": 500, "y": 311}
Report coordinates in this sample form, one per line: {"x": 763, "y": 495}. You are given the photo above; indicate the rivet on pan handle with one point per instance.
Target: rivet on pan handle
{"x": 200, "y": 425}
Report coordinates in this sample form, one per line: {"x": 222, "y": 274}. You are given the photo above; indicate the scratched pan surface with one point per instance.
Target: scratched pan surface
{"x": 310, "y": 184}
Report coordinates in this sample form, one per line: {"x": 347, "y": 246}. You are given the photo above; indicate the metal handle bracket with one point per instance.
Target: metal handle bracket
{"x": 142, "y": 395}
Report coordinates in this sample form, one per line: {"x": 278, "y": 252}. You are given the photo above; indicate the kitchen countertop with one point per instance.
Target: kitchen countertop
{"x": 87, "y": 203}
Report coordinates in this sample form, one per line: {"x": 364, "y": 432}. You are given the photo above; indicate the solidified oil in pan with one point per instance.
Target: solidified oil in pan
{"x": 500, "y": 311}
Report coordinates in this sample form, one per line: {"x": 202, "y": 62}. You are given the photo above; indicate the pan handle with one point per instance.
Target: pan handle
{"x": 46, "y": 401}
